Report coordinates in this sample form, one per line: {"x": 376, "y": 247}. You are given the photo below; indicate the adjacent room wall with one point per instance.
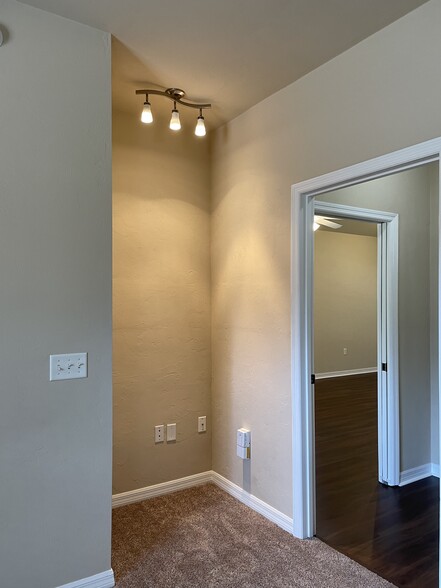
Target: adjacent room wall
{"x": 55, "y": 297}
{"x": 434, "y": 343}
{"x": 345, "y": 301}
{"x": 161, "y": 289}
{"x": 379, "y": 96}
{"x": 409, "y": 194}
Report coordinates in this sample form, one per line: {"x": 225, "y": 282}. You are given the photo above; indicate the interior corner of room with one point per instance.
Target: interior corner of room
{"x": 167, "y": 260}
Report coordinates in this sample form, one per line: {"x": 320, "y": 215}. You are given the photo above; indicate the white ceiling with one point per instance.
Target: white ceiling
{"x": 233, "y": 53}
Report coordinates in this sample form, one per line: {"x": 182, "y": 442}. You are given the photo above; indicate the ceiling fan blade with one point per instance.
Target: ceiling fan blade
{"x": 327, "y": 223}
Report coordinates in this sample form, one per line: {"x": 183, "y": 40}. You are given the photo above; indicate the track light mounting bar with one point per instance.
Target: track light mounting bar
{"x": 176, "y": 95}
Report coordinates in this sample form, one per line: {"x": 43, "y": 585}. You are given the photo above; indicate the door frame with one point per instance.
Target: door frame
{"x": 302, "y": 214}
{"x": 387, "y": 333}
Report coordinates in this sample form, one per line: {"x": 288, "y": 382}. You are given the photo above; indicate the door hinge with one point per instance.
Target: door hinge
{"x": 312, "y": 378}
{"x": 384, "y": 367}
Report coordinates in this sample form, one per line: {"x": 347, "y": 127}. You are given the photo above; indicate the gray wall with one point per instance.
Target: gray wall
{"x": 379, "y": 96}
{"x": 434, "y": 342}
{"x": 409, "y": 194}
{"x": 55, "y": 297}
{"x": 161, "y": 289}
{"x": 345, "y": 301}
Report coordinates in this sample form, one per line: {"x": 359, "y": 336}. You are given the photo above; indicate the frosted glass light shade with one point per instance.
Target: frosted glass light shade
{"x": 175, "y": 123}
{"x": 147, "y": 116}
{"x": 200, "y": 127}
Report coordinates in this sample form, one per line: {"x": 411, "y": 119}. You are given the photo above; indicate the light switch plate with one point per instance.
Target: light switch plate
{"x": 67, "y": 366}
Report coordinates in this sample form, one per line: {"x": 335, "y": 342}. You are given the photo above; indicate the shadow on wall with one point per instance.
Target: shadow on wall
{"x": 4, "y": 35}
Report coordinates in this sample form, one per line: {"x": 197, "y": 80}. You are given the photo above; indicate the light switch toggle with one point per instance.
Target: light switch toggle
{"x": 67, "y": 366}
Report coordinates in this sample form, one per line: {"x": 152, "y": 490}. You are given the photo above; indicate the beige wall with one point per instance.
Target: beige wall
{"x": 379, "y": 96}
{"x": 161, "y": 290}
{"x": 345, "y": 301}
{"x": 55, "y": 297}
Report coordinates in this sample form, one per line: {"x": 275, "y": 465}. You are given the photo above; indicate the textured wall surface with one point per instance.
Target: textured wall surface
{"x": 161, "y": 289}
{"x": 379, "y": 96}
{"x": 345, "y": 301}
{"x": 55, "y": 297}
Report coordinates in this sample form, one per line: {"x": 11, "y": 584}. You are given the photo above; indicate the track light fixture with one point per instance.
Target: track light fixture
{"x": 177, "y": 96}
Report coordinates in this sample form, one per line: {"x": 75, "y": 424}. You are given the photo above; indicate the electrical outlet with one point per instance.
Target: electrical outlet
{"x": 159, "y": 433}
{"x": 345, "y": 350}
{"x": 202, "y": 424}
{"x": 171, "y": 432}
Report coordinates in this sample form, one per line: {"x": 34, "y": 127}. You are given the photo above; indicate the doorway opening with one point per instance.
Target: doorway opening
{"x": 421, "y": 436}
{"x": 356, "y": 303}
{"x": 347, "y": 299}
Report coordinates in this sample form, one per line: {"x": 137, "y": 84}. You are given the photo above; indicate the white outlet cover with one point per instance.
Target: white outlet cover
{"x": 67, "y": 366}
{"x": 202, "y": 424}
{"x": 159, "y": 433}
{"x": 171, "y": 432}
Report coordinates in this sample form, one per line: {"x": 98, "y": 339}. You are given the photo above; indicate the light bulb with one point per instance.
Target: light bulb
{"x": 200, "y": 127}
{"x": 175, "y": 123}
{"x": 147, "y": 116}
{"x": 315, "y": 226}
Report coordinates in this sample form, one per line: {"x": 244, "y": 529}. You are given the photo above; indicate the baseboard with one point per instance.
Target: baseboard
{"x": 356, "y": 372}
{"x": 419, "y": 473}
{"x": 160, "y": 489}
{"x": 103, "y": 580}
{"x": 256, "y": 504}
{"x": 242, "y": 495}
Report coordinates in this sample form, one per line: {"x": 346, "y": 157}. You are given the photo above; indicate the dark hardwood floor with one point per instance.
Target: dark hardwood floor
{"x": 392, "y": 531}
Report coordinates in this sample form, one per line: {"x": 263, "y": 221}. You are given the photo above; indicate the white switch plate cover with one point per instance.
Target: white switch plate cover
{"x": 202, "y": 424}
{"x": 171, "y": 432}
{"x": 67, "y": 366}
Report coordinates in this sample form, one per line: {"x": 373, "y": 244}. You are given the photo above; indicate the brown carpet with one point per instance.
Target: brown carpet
{"x": 202, "y": 537}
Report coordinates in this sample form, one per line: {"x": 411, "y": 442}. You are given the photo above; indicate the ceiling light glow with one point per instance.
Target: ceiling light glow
{"x": 177, "y": 95}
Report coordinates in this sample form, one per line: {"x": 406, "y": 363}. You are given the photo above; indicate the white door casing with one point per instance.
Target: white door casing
{"x": 302, "y": 209}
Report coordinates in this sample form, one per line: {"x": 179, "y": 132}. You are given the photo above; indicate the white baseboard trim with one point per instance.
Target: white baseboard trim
{"x": 160, "y": 489}
{"x": 102, "y": 580}
{"x": 323, "y": 375}
{"x": 242, "y": 495}
{"x": 256, "y": 504}
{"x": 419, "y": 473}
